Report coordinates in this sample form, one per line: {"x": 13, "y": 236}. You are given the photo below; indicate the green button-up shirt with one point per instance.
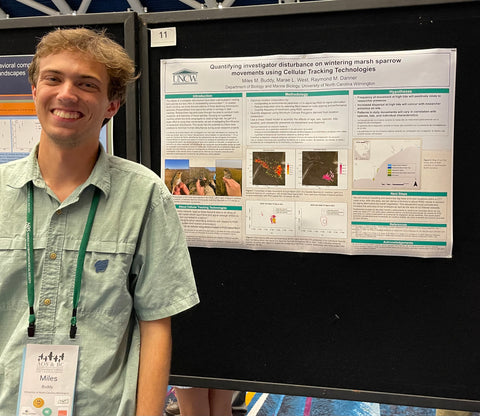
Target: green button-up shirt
{"x": 137, "y": 267}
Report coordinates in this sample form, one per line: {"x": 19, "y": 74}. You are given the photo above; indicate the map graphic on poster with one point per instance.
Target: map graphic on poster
{"x": 387, "y": 164}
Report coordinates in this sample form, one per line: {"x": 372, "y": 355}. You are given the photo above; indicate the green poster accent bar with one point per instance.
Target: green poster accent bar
{"x": 226, "y": 95}
{"x": 403, "y": 243}
{"x": 209, "y": 207}
{"x": 299, "y": 94}
{"x": 399, "y": 193}
{"x": 398, "y": 224}
{"x": 403, "y": 91}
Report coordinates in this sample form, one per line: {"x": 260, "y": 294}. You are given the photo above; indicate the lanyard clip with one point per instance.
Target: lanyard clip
{"x": 31, "y": 323}
{"x": 73, "y": 324}
{"x": 31, "y": 329}
{"x": 73, "y": 331}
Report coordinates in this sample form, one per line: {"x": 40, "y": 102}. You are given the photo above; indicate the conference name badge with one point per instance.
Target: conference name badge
{"x": 47, "y": 384}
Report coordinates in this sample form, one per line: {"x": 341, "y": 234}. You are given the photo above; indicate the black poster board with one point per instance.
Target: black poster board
{"x": 20, "y": 37}
{"x": 391, "y": 329}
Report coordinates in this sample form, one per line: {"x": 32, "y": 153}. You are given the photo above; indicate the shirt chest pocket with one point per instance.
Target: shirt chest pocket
{"x": 13, "y": 262}
{"x": 15, "y": 245}
{"x": 106, "y": 275}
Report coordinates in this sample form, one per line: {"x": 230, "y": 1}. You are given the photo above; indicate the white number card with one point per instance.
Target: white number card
{"x": 47, "y": 385}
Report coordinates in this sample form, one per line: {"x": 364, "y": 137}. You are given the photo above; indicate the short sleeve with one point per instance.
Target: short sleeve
{"x": 164, "y": 281}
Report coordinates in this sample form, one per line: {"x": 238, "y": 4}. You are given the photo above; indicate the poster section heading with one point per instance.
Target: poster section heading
{"x": 326, "y": 153}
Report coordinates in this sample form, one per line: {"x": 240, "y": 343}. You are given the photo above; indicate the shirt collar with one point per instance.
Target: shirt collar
{"x": 30, "y": 171}
{"x": 100, "y": 176}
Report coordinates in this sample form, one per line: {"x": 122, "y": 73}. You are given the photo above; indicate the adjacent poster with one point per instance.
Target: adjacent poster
{"x": 19, "y": 126}
{"x": 328, "y": 153}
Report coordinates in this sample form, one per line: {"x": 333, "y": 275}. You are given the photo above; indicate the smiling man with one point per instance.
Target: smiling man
{"x": 102, "y": 263}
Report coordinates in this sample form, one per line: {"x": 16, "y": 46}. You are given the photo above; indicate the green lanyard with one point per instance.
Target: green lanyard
{"x": 80, "y": 261}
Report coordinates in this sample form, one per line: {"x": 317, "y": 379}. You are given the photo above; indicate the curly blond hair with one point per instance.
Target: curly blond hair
{"x": 96, "y": 45}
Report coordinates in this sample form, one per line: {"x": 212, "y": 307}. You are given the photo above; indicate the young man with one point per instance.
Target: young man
{"x": 136, "y": 266}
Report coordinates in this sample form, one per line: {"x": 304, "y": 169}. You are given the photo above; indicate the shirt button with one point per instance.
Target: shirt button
{"x": 59, "y": 212}
{"x": 47, "y": 302}
{"x": 53, "y": 256}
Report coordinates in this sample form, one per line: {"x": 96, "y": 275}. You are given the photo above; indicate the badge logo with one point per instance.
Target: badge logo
{"x": 101, "y": 266}
{"x": 38, "y": 402}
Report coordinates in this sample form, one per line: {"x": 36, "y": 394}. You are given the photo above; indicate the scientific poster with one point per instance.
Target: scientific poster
{"x": 19, "y": 126}
{"x": 328, "y": 153}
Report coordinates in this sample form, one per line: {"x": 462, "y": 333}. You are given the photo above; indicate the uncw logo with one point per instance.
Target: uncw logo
{"x": 185, "y": 76}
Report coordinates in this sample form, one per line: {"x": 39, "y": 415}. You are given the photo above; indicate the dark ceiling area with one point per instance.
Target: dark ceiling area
{"x": 28, "y": 8}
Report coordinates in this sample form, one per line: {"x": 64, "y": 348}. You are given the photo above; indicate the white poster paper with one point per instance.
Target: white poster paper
{"x": 329, "y": 153}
